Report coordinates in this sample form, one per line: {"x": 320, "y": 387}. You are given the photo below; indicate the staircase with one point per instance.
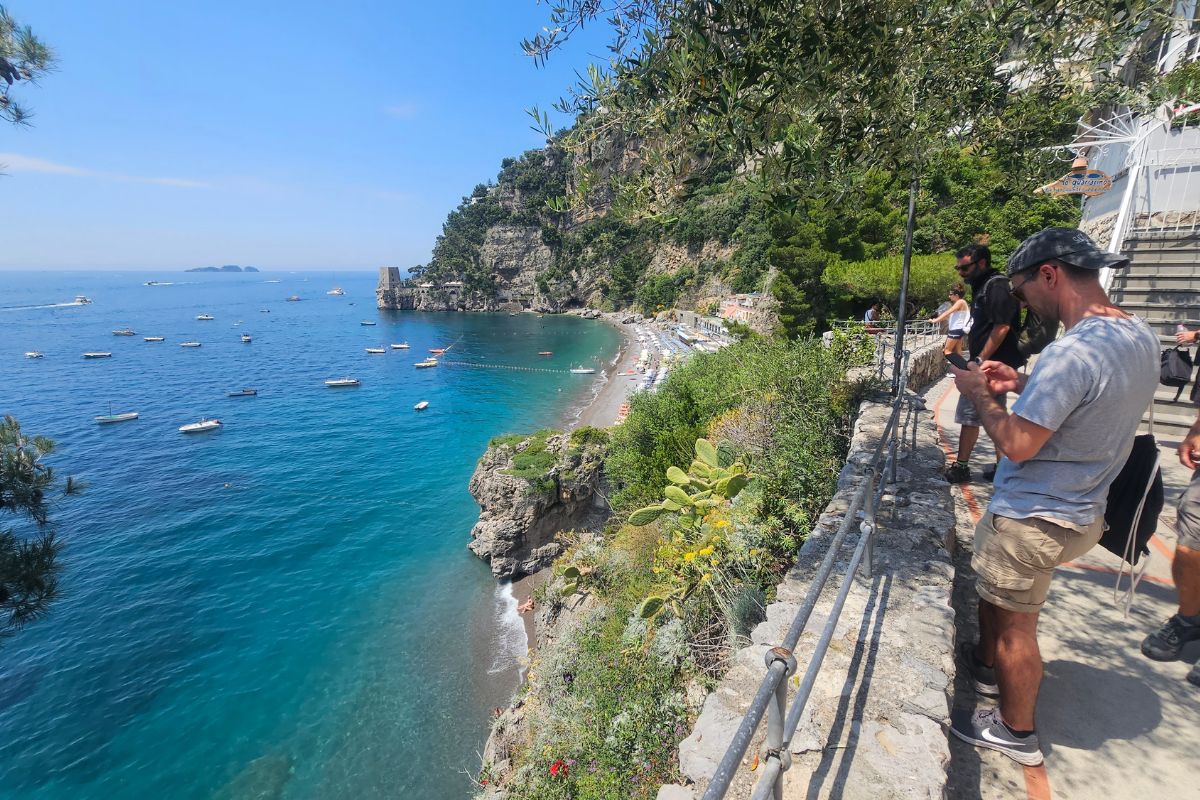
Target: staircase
{"x": 1162, "y": 286}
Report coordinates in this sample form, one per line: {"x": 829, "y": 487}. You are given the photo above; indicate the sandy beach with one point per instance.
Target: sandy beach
{"x": 602, "y": 411}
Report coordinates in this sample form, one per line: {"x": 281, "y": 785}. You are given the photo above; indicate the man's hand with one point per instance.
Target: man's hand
{"x": 971, "y": 381}
{"x": 1187, "y": 337}
{"x": 1189, "y": 448}
{"x": 1001, "y": 378}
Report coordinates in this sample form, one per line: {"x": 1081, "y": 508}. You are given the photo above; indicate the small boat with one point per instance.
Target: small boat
{"x": 189, "y": 344}
{"x": 264, "y": 311}
{"x": 105, "y": 419}
{"x": 581, "y": 370}
{"x": 243, "y": 393}
{"x": 376, "y": 351}
{"x": 150, "y": 283}
{"x": 97, "y": 354}
{"x": 124, "y": 332}
{"x": 336, "y": 291}
{"x": 206, "y": 317}
{"x": 246, "y": 338}
{"x": 437, "y": 351}
{"x": 366, "y": 322}
{"x": 545, "y": 353}
{"x": 295, "y": 298}
{"x": 34, "y": 354}
{"x": 421, "y": 406}
{"x": 201, "y": 426}
{"x": 81, "y": 300}
{"x": 401, "y": 346}
{"x": 333, "y": 383}
{"x": 153, "y": 338}
{"x": 429, "y": 362}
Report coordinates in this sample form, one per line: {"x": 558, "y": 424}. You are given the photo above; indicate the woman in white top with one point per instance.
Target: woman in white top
{"x": 958, "y": 317}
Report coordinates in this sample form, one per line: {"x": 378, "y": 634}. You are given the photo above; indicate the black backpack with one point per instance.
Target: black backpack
{"x": 1175, "y": 368}
{"x": 1135, "y": 499}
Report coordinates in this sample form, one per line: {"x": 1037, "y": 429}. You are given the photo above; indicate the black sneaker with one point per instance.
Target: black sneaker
{"x": 984, "y": 728}
{"x": 983, "y": 677}
{"x": 1193, "y": 676}
{"x": 1166, "y": 643}
{"x": 958, "y": 473}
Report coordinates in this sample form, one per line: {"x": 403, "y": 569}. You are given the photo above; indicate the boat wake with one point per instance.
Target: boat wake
{"x": 510, "y": 644}
{"x": 48, "y": 305}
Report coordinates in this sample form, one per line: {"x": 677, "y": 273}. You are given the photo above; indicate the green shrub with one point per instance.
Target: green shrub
{"x": 857, "y": 284}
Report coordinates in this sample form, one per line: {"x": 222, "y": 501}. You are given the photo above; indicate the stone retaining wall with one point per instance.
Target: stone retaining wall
{"x": 873, "y": 726}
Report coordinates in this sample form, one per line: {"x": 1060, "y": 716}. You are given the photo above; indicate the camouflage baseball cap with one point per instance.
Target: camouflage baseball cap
{"x": 1068, "y": 245}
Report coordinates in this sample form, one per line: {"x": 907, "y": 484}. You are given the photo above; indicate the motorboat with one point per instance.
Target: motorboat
{"x": 201, "y": 426}
{"x": 154, "y": 338}
{"x": 366, "y": 322}
{"x": 82, "y": 300}
{"x": 401, "y": 346}
{"x": 244, "y": 393}
{"x": 246, "y": 338}
{"x": 150, "y": 283}
{"x": 545, "y": 353}
{"x": 429, "y": 362}
{"x": 581, "y": 370}
{"x": 97, "y": 354}
{"x": 421, "y": 406}
{"x": 437, "y": 351}
{"x": 189, "y": 344}
{"x": 124, "y": 332}
{"x": 376, "y": 351}
{"x": 105, "y": 419}
{"x": 34, "y": 354}
{"x": 205, "y": 317}
{"x": 336, "y": 291}
{"x": 295, "y": 298}
{"x": 334, "y": 383}
{"x": 264, "y": 311}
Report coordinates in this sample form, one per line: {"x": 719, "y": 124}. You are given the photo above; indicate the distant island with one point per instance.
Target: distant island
{"x": 226, "y": 268}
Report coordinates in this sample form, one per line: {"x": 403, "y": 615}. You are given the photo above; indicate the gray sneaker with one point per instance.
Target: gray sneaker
{"x": 983, "y": 677}
{"x": 1193, "y": 676}
{"x": 984, "y": 728}
{"x": 1166, "y": 643}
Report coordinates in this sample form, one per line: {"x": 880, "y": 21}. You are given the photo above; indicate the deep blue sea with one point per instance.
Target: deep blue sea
{"x": 285, "y": 607}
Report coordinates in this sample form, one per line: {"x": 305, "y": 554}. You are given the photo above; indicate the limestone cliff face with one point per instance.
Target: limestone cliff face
{"x": 520, "y": 517}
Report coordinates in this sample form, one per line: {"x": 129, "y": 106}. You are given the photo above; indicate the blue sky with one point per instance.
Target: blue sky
{"x": 297, "y": 135}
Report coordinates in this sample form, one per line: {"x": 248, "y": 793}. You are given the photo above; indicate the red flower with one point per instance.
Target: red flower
{"x": 559, "y": 769}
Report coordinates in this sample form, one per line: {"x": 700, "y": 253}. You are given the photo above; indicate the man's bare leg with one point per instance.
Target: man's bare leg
{"x": 1185, "y": 570}
{"x": 1018, "y": 663}
{"x": 968, "y": 435}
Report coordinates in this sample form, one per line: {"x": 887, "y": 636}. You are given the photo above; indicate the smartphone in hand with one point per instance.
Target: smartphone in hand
{"x": 957, "y": 360}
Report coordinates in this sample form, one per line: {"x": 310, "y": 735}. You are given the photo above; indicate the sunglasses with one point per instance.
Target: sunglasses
{"x": 966, "y": 266}
{"x": 1017, "y": 291}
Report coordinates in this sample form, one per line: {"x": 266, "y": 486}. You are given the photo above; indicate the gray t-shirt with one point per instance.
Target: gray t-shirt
{"x": 1090, "y": 387}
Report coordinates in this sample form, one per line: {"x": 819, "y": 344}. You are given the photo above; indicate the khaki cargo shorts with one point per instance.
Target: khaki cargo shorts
{"x": 1014, "y": 559}
{"x": 1187, "y": 521}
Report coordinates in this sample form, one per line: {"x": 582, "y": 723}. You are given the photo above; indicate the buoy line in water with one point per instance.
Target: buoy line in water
{"x": 501, "y": 366}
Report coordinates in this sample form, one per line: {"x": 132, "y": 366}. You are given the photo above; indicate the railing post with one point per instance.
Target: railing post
{"x": 775, "y": 758}
{"x": 867, "y": 528}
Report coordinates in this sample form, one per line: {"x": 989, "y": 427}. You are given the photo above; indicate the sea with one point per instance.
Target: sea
{"x": 284, "y": 607}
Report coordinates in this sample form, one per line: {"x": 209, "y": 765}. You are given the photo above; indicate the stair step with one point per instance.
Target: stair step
{"x": 1176, "y": 255}
{"x": 1155, "y": 280}
{"x": 1160, "y": 296}
{"x": 1145, "y": 240}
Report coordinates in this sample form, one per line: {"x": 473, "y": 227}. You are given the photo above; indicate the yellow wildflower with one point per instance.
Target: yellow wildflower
{"x": 706, "y": 576}
{"x": 706, "y": 551}
{"x": 714, "y": 561}
{"x": 688, "y": 556}
{"x": 721, "y": 523}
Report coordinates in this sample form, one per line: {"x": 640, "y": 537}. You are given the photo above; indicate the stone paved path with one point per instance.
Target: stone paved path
{"x": 1113, "y": 724}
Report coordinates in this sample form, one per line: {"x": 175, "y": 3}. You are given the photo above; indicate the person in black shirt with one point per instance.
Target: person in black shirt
{"x": 996, "y": 317}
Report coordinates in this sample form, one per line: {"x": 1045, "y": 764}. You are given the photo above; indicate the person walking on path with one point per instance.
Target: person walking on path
{"x": 958, "y": 319}
{"x": 1166, "y": 644}
{"x": 1067, "y": 437}
{"x": 995, "y": 319}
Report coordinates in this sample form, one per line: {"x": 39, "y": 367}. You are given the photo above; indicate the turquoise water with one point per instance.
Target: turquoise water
{"x": 285, "y": 607}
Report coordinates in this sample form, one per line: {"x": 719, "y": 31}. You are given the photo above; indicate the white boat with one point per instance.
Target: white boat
{"x": 124, "y": 332}
{"x": 376, "y": 351}
{"x": 401, "y": 346}
{"x": 34, "y": 354}
{"x": 153, "y": 338}
{"x": 582, "y": 370}
{"x": 150, "y": 283}
{"x": 97, "y": 354}
{"x": 81, "y": 300}
{"x": 295, "y": 298}
{"x": 105, "y": 419}
{"x": 246, "y": 338}
{"x": 333, "y": 383}
{"x": 243, "y": 393}
{"x": 189, "y": 344}
{"x": 429, "y": 362}
{"x": 421, "y": 406}
{"x": 336, "y": 291}
{"x": 201, "y": 426}
{"x": 264, "y": 311}
{"x": 205, "y": 317}
{"x": 366, "y": 322}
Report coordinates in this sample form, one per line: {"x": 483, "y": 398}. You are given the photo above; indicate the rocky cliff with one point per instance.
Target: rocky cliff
{"x": 531, "y": 488}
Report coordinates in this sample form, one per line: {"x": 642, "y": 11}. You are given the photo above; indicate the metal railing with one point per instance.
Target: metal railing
{"x": 917, "y": 334}
{"x": 771, "y": 697}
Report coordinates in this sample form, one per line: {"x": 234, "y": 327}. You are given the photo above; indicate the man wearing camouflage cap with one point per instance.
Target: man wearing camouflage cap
{"x": 1066, "y": 438}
